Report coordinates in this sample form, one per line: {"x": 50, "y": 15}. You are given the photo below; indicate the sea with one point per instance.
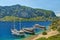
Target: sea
{"x": 5, "y": 28}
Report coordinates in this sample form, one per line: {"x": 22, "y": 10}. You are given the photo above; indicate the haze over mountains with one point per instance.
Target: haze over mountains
{"x": 58, "y": 14}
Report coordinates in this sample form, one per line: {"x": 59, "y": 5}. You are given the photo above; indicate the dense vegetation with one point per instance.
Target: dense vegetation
{"x": 55, "y": 25}
{"x": 12, "y": 18}
{"x": 23, "y": 13}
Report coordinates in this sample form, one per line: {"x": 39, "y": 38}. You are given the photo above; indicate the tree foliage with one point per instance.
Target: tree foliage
{"x": 26, "y": 13}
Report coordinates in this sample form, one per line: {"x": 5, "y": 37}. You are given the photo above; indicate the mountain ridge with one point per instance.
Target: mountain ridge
{"x": 25, "y": 13}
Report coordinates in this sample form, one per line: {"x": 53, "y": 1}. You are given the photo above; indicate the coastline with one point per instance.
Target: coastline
{"x": 49, "y": 34}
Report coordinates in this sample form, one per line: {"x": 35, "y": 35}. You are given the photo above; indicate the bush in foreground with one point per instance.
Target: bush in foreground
{"x": 58, "y": 29}
{"x": 44, "y": 33}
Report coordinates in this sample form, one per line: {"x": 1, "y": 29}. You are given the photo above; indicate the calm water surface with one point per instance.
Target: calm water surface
{"x": 5, "y": 28}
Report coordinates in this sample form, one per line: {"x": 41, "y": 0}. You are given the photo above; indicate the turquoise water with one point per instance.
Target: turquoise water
{"x": 5, "y": 29}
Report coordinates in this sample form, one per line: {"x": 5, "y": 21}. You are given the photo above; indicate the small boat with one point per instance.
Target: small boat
{"x": 39, "y": 26}
{"x": 36, "y": 25}
{"x": 29, "y": 30}
{"x": 17, "y": 32}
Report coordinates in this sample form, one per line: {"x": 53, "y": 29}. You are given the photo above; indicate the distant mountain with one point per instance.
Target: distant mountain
{"x": 24, "y": 12}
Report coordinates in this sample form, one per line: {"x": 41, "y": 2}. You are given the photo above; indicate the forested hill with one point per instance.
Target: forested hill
{"x": 24, "y": 12}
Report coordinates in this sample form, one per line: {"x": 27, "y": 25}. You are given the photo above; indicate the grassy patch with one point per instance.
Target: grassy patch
{"x": 56, "y": 37}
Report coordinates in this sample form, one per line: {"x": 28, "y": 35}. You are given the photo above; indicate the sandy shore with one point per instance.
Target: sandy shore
{"x": 51, "y": 33}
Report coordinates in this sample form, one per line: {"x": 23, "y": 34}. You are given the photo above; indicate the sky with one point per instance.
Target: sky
{"x": 53, "y": 5}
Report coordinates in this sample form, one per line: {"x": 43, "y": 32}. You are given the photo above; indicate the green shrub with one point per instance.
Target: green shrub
{"x": 44, "y": 33}
{"x": 53, "y": 27}
{"x": 58, "y": 29}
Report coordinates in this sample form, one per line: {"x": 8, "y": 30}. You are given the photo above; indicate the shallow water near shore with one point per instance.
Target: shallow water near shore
{"x": 5, "y": 29}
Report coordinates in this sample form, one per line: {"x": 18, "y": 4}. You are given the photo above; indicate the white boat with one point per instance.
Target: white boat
{"x": 17, "y": 32}
{"x": 39, "y": 26}
{"x": 29, "y": 30}
{"x": 36, "y": 25}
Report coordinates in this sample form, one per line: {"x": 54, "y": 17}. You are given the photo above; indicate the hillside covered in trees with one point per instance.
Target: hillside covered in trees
{"x": 18, "y": 12}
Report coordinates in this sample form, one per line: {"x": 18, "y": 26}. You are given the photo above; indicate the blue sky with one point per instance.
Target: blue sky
{"x": 53, "y": 5}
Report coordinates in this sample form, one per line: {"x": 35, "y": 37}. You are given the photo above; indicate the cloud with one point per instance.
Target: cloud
{"x": 57, "y": 14}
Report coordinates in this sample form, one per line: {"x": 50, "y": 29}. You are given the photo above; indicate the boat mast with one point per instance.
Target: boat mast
{"x": 20, "y": 25}
{"x": 13, "y": 21}
{"x": 19, "y": 22}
